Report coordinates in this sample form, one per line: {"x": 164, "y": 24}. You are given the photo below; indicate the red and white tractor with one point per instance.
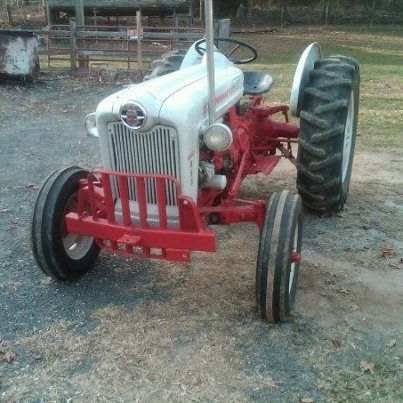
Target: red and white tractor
{"x": 175, "y": 150}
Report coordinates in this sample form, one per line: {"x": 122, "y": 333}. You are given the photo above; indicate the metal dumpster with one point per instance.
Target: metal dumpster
{"x": 18, "y": 55}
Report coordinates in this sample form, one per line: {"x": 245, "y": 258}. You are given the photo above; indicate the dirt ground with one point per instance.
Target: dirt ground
{"x": 135, "y": 330}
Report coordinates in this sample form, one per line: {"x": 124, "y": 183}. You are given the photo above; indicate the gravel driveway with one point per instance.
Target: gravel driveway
{"x": 147, "y": 330}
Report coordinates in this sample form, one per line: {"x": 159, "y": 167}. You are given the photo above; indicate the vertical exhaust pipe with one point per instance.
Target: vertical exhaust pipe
{"x": 210, "y": 60}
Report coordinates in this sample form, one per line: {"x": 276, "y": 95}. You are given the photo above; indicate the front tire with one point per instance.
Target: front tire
{"x": 59, "y": 254}
{"x": 278, "y": 258}
{"x": 329, "y": 117}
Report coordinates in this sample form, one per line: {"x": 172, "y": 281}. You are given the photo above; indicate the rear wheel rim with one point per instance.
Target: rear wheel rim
{"x": 75, "y": 245}
{"x": 294, "y": 267}
{"x": 348, "y": 138}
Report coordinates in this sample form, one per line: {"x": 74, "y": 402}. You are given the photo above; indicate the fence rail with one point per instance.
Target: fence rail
{"x": 129, "y": 44}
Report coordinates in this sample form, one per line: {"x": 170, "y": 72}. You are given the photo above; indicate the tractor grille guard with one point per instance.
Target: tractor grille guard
{"x": 130, "y": 229}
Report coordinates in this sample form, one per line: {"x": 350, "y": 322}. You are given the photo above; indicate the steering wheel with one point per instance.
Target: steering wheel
{"x": 238, "y": 45}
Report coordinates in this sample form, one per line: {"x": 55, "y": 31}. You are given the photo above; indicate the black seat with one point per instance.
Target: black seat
{"x": 257, "y": 82}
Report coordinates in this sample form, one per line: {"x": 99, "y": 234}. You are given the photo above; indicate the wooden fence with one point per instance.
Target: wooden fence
{"x": 129, "y": 46}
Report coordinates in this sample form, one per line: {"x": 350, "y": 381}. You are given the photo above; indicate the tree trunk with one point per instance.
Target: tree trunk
{"x": 249, "y": 9}
{"x": 201, "y": 10}
{"x": 373, "y": 12}
{"x": 327, "y": 10}
{"x": 9, "y": 14}
{"x": 283, "y": 13}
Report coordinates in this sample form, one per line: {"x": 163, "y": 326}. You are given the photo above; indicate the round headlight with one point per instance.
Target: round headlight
{"x": 133, "y": 115}
{"x": 91, "y": 124}
{"x": 218, "y": 137}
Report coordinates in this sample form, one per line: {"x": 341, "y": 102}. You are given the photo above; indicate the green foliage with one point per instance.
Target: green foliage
{"x": 313, "y": 11}
{"x": 365, "y": 5}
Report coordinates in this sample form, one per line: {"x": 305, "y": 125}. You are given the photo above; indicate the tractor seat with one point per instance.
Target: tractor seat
{"x": 257, "y": 82}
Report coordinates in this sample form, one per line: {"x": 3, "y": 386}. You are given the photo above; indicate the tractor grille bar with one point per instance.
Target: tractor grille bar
{"x": 155, "y": 152}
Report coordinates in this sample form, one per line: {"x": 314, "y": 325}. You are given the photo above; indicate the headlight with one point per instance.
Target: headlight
{"x": 133, "y": 115}
{"x": 91, "y": 125}
{"x": 218, "y": 137}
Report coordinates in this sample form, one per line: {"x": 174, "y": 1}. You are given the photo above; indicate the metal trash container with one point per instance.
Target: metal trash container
{"x": 18, "y": 55}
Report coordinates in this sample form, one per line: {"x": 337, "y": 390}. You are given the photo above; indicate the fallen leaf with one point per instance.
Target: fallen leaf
{"x": 31, "y": 186}
{"x": 306, "y": 400}
{"x": 392, "y": 343}
{"x": 367, "y": 367}
{"x": 9, "y": 357}
{"x": 388, "y": 252}
{"x": 336, "y": 342}
{"x": 343, "y": 290}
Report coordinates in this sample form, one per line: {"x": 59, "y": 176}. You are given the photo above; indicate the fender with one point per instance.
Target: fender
{"x": 305, "y": 65}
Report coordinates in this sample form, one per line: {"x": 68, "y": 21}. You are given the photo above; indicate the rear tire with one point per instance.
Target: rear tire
{"x": 329, "y": 117}
{"x": 278, "y": 263}
{"x": 61, "y": 255}
{"x": 168, "y": 63}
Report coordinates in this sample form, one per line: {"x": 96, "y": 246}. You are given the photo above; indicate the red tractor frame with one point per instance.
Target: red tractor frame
{"x": 257, "y": 136}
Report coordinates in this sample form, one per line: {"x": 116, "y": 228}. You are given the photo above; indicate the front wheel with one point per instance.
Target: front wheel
{"x": 60, "y": 254}
{"x": 279, "y": 256}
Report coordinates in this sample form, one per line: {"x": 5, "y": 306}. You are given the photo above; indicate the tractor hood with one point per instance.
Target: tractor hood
{"x": 163, "y": 87}
{"x": 150, "y": 94}
{"x": 153, "y": 94}
{"x": 177, "y": 104}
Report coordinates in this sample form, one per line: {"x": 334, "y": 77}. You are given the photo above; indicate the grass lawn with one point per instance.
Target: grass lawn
{"x": 379, "y": 51}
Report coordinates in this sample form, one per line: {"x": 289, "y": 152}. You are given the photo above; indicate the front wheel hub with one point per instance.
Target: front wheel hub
{"x": 295, "y": 257}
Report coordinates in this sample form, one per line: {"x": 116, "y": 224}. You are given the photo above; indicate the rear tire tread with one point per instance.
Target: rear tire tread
{"x": 326, "y": 101}
{"x": 168, "y": 63}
